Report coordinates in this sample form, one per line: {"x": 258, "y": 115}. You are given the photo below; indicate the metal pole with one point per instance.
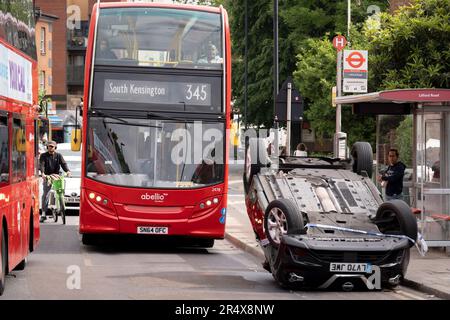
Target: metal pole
{"x": 288, "y": 118}
{"x": 275, "y": 52}
{"x": 338, "y": 106}
{"x": 349, "y": 18}
{"x": 246, "y": 65}
{"x": 338, "y": 90}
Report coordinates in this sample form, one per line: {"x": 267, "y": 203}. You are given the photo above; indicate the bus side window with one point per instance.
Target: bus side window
{"x": 4, "y": 151}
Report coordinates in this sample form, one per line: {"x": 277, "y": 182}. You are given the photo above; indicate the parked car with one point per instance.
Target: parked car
{"x": 73, "y": 184}
{"x": 322, "y": 222}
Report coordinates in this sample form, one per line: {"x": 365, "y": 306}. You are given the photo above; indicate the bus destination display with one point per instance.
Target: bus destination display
{"x": 157, "y": 92}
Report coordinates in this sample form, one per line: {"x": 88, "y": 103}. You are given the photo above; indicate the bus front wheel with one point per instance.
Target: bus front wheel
{"x": 88, "y": 239}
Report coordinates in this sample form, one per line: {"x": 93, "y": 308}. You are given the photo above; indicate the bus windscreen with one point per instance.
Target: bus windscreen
{"x": 150, "y": 153}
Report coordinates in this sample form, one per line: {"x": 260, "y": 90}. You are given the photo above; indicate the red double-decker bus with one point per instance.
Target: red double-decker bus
{"x": 155, "y": 118}
{"x": 19, "y": 190}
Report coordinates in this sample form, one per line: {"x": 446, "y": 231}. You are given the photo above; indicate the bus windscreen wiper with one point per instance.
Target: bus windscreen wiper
{"x": 103, "y": 114}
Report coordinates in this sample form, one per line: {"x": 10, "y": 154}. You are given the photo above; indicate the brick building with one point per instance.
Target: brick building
{"x": 68, "y": 49}
{"x": 44, "y": 48}
{"x": 394, "y": 4}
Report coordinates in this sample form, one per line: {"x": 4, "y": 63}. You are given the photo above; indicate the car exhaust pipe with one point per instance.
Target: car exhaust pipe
{"x": 293, "y": 277}
{"x": 395, "y": 280}
{"x": 348, "y": 286}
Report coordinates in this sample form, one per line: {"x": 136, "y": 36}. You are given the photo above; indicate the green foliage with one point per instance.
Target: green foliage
{"x": 411, "y": 49}
{"x": 315, "y": 77}
{"x": 299, "y": 20}
{"x": 403, "y": 141}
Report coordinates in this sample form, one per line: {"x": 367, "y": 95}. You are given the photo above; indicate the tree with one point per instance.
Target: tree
{"x": 315, "y": 76}
{"x": 403, "y": 141}
{"x": 299, "y": 20}
{"x": 411, "y": 49}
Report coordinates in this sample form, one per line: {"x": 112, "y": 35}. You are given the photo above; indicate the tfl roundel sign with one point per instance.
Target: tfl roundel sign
{"x": 355, "y": 71}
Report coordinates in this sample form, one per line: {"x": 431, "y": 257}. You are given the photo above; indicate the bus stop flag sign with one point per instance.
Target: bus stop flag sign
{"x": 355, "y": 71}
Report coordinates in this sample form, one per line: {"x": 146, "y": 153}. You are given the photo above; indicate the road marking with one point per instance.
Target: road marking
{"x": 88, "y": 262}
{"x": 234, "y": 181}
{"x": 236, "y": 202}
{"x": 409, "y": 295}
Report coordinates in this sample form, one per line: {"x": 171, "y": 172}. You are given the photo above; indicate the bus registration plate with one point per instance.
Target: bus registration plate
{"x": 152, "y": 230}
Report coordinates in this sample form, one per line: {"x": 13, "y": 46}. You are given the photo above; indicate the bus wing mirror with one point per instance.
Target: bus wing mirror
{"x": 75, "y": 141}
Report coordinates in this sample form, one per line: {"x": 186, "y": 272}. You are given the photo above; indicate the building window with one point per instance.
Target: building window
{"x": 42, "y": 40}
{"x": 42, "y": 80}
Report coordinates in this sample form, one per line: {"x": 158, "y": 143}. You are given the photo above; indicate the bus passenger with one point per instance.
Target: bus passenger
{"x": 105, "y": 52}
{"x": 212, "y": 55}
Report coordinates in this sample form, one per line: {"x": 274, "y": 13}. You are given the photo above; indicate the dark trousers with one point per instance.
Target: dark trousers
{"x": 45, "y": 189}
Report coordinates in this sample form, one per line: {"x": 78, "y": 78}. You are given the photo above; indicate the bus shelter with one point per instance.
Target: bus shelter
{"x": 428, "y": 188}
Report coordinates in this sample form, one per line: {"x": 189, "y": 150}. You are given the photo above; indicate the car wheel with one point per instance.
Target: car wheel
{"x": 3, "y": 261}
{"x": 281, "y": 217}
{"x": 395, "y": 217}
{"x": 362, "y": 158}
{"x": 256, "y": 157}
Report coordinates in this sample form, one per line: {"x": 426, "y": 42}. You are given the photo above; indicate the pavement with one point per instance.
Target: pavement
{"x": 429, "y": 274}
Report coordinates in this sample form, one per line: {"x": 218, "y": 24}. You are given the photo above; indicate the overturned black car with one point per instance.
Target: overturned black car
{"x": 322, "y": 222}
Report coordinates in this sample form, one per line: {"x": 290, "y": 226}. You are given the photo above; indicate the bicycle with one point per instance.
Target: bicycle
{"x": 55, "y": 197}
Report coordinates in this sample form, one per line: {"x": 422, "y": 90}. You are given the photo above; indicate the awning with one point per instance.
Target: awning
{"x": 394, "y": 101}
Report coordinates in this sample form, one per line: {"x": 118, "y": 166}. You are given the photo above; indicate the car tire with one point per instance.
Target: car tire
{"x": 395, "y": 217}
{"x": 256, "y": 157}
{"x": 281, "y": 217}
{"x": 362, "y": 158}
{"x": 3, "y": 261}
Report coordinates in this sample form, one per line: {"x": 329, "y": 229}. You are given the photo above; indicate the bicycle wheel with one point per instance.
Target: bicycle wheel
{"x": 55, "y": 215}
{"x": 62, "y": 209}
{"x": 63, "y": 215}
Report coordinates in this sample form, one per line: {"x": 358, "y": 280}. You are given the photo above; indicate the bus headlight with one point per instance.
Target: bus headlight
{"x": 206, "y": 206}
{"x": 100, "y": 202}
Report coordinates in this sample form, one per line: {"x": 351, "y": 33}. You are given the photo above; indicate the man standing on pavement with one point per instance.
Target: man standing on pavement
{"x": 50, "y": 163}
{"x": 393, "y": 176}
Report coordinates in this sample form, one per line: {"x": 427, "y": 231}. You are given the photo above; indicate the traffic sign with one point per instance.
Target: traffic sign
{"x": 355, "y": 60}
{"x": 339, "y": 42}
{"x": 355, "y": 71}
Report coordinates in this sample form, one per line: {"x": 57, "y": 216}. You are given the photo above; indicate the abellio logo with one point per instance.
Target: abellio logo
{"x": 154, "y": 197}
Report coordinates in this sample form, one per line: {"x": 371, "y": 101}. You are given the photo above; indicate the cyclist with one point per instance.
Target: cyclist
{"x": 50, "y": 163}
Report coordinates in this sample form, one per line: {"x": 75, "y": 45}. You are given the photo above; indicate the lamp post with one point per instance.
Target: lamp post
{"x": 275, "y": 52}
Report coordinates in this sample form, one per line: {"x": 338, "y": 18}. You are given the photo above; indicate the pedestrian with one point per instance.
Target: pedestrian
{"x": 301, "y": 150}
{"x": 436, "y": 171}
{"x": 393, "y": 176}
{"x": 50, "y": 163}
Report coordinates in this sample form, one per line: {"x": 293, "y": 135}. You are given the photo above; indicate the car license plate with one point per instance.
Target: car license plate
{"x": 152, "y": 230}
{"x": 351, "y": 267}
{"x": 71, "y": 199}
